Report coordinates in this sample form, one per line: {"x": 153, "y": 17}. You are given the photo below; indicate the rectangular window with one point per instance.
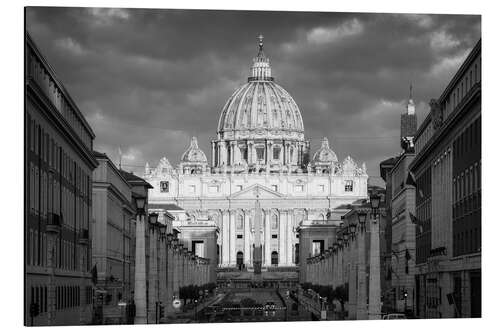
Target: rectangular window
{"x": 299, "y": 188}
{"x": 274, "y": 236}
{"x": 239, "y": 236}
{"x": 317, "y": 247}
{"x": 213, "y": 189}
{"x": 192, "y": 189}
{"x": 275, "y": 188}
{"x": 198, "y": 248}
{"x": 348, "y": 186}
{"x": 239, "y": 187}
{"x": 321, "y": 188}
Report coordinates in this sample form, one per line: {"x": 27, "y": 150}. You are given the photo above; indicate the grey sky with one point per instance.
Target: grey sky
{"x": 148, "y": 80}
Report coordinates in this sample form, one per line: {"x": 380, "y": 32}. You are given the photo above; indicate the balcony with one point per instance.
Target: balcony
{"x": 83, "y": 236}
{"x": 54, "y": 222}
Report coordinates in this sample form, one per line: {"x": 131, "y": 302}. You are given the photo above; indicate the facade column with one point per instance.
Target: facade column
{"x": 282, "y": 237}
{"x": 290, "y": 238}
{"x": 232, "y": 240}
{"x": 225, "y": 238}
{"x": 247, "y": 246}
{"x": 374, "y": 306}
{"x": 140, "y": 272}
{"x": 267, "y": 244}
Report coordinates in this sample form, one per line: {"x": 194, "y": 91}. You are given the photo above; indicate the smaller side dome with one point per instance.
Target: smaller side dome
{"x": 194, "y": 154}
{"x": 325, "y": 154}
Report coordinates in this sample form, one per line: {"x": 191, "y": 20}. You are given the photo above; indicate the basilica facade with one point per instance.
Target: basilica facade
{"x": 260, "y": 153}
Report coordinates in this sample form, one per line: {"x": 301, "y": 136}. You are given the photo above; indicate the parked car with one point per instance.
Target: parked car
{"x": 390, "y": 316}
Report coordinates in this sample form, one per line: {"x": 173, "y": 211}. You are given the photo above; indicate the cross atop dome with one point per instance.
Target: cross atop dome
{"x": 261, "y": 42}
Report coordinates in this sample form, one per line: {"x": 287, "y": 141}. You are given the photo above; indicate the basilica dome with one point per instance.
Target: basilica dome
{"x": 194, "y": 154}
{"x": 261, "y": 107}
{"x": 325, "y": 154}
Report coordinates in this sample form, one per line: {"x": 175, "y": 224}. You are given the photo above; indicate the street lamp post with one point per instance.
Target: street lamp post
{"x": 153, "y": 268}
{"x": 374, "y": 308}
{"x": 361, "y": 309}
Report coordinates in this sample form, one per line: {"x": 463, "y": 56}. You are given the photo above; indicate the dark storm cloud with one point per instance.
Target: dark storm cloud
{"x": 147, "y": 80}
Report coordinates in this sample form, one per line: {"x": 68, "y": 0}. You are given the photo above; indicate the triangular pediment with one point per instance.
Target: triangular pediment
{"x": 250, "y": 193}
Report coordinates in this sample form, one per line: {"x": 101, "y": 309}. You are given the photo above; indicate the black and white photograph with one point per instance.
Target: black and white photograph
{"x": 188, "y": 166}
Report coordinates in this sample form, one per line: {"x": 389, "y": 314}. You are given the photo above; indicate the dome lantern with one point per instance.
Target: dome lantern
{"x": 261, "y": 68}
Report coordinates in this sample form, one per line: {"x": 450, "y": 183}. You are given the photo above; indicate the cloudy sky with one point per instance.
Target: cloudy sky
{"x": 148, "y": 80}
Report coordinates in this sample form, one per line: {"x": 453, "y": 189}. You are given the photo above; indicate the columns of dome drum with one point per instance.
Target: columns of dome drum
{"x": 269, "y": 152}
{"x": 237, "y": 153}
{"x": 213, "y": 154}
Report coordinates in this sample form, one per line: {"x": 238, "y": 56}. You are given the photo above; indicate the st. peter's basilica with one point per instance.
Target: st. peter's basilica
{"x": 260, "y": 149}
